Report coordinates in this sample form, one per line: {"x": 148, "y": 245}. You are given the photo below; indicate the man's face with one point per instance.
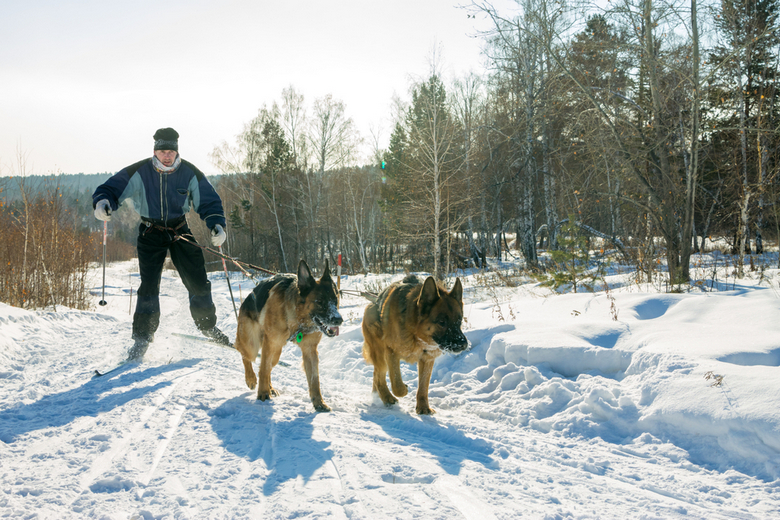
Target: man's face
{"x": 166, "y": 156}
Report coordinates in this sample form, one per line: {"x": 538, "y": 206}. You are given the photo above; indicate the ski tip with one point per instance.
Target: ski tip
{"x": 121, "y": 365}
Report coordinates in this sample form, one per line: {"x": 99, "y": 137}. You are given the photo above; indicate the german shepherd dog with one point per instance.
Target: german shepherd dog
{"x": 287, "y": 308}
{"x": 412, "y": 322}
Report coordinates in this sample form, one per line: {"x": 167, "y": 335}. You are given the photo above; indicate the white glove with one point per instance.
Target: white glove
{"x": 218, "y": 236}
{"x": 103, "y": 210}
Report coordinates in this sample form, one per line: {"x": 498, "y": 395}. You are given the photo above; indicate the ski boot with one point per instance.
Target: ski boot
{"x": 217, "y": 336}
{"x": 137, "y": 351}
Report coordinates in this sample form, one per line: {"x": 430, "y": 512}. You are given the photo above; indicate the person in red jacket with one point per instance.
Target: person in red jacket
{"x": 162, "y": 189}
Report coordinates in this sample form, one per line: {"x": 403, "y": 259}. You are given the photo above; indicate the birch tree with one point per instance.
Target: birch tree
{"x": 748, "y": 93}
{"x": 645, "y": 131}
{"x": 468, "y": 108}
{"x": 333, "y": 141}
{"x": 434, "y": 159}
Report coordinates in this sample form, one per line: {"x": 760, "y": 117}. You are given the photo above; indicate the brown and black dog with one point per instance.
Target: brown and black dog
{"x": 287, "y": 308}
{"x": 412, "y": 322}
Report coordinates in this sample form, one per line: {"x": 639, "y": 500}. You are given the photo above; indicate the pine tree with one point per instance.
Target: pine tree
{"x": 746, "y": 104}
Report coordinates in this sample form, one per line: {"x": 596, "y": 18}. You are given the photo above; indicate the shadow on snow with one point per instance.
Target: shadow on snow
{"x": 248, "y": 430}
{"x": 448, "y": 444}
{"x": 55, "y": 410}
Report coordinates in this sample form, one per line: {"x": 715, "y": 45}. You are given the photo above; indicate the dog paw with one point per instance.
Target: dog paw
{"x": 401, "y": 392}
{"x": 265, "y": 396}
{"x": 385, "y": 396}
{"x": 251, "y": 383}
{"x": 322, "y": 407}
{"x": 425, "y": 410}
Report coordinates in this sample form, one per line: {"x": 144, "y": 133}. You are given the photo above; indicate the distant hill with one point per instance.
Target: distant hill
{"x": 68, "y": 184}
{"x": 77, "y": 183}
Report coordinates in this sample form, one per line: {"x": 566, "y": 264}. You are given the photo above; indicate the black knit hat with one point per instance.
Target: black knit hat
{"x": 166, "y": 139}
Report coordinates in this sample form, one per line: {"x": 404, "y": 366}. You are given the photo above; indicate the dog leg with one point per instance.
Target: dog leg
{"x": 394, "y": 365}
{"x": 249, "y": 374}
{"x": 264, "y": 389}
{"x": 375, "y": 353}
{"x": 424, "y": 371}
{"x": 248, "y": 345}
{"x": 311, "y": 365}
{"x": 380, "y": 382}
{"x": 274, "y": 361}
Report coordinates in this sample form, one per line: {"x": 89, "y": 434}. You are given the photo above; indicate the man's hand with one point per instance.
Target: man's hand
{"x": 218, "y": 236}
{"x": 103, "y": 210}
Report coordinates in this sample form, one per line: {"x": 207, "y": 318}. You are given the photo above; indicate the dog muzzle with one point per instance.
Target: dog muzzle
{"x": 330, "y": 325}
{"x": 453, "y": 340}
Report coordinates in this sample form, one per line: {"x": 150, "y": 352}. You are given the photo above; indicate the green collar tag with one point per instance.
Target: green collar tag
{"x": 299, "y": 337}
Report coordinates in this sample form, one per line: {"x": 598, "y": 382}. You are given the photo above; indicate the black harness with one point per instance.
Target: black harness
{"x": 164, "y": 225}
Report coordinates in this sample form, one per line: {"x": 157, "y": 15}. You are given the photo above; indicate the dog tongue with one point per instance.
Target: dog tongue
{"x": 334, "y": 330}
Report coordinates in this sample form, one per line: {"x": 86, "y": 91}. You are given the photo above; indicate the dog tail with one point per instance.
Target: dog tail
{"x": 371, "y": 321}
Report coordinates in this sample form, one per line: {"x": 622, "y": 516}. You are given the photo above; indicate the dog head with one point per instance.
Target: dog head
{"x": 320, "y": 300}
{"x": 441, "y": 315}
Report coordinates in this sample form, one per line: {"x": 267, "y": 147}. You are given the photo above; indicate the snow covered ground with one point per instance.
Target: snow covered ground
{"x": 557, "y": 411}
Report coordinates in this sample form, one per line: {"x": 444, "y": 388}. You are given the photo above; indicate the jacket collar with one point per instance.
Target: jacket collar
{"x": 161, "y": 168}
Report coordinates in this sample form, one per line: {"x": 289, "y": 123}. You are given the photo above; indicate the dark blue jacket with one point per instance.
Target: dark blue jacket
{"x": 163, "y": 196}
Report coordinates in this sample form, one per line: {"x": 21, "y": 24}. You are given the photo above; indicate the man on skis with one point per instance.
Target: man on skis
{"x": 163, "y": 188}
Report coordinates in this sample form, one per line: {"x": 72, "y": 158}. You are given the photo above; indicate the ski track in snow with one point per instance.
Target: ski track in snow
{"x": 180, "y": 435}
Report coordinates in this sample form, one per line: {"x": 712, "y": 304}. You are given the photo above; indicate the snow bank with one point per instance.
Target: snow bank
{"x": 13, "y": 323}
{"x": 556, "y": 411}
{"x": 654, "y": 371}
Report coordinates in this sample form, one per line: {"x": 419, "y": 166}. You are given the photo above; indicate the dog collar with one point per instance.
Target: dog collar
{"x": 297, "y": 336}
{"x": 302, "y": 330}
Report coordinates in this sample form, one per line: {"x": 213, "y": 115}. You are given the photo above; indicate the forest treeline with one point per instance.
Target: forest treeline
{"x": 648, "y": 120}
{"x": 652, "y": 125}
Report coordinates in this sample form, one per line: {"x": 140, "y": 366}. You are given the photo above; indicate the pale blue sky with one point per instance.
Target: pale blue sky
{"x": 86, "y": 83}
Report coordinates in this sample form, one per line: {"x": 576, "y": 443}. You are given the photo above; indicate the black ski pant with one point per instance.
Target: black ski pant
{"x": 154, "y": 242}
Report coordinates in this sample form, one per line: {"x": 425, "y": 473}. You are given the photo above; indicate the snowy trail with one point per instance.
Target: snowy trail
{"x": 180, "y": 435}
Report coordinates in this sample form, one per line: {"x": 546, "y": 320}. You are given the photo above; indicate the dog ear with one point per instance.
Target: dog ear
{"x": 429, "y": 294}
{"x": 457, "y": 290}
{"x": 326, "y": 272}
{"x": 305, "y": 279}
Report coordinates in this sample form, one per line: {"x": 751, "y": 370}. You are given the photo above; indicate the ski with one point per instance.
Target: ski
{"x": 98, "y": 373}
{"x": 201, "y": 338}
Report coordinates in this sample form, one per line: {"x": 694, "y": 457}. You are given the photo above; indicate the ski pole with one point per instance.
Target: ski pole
{"x": 103, "y": 301}
{"x": 230, "y": 287}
